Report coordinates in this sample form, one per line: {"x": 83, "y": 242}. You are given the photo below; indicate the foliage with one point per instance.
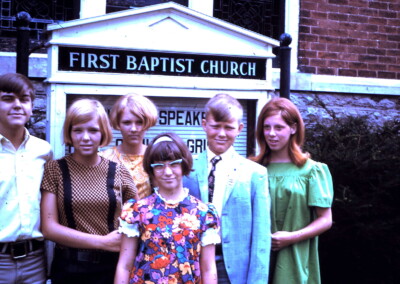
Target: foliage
{"x": 363, "y": 245}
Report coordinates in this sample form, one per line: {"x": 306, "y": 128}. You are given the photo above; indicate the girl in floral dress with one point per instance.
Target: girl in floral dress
{"x": 169, "y": 236}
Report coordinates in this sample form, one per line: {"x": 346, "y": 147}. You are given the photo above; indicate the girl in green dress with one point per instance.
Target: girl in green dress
{"x": 301, "y": 194}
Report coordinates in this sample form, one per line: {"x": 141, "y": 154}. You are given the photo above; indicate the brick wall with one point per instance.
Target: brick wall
{"x": 358, "y": 38}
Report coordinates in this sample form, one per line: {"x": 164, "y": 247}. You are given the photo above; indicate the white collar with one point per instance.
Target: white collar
{"x": 171, "y": 201}
{"x": 4, "y": 139}
{"x": 227, "y": 155}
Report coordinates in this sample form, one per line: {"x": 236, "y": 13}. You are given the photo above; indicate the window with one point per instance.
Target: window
{"x": 118, "y": 5}
{"x": 261, "y": 16}
{"x": 43, "y": 12}
{"x": 266, "y": 17}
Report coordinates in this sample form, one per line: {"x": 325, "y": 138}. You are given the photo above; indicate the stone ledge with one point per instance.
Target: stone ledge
{"x": 302, "y": 82}
{"x": 37, "y": 64}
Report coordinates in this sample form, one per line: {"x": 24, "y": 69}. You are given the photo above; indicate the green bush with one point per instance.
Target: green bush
{"x": 363, "y": 245}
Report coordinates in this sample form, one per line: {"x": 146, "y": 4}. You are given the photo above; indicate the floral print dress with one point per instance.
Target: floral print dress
{"x": 171, "y": 235}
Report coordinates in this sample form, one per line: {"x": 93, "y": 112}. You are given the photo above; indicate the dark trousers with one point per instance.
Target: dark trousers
{"x": 221, "y": 270}
{"x": 272, "y": 264}
{"x": 83, "y": 267}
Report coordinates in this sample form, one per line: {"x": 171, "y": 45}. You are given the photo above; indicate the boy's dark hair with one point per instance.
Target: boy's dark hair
{"x": 17, "y": 84}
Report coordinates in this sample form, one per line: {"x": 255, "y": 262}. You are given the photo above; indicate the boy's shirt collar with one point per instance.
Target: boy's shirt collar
{"x": 225, "y": 156}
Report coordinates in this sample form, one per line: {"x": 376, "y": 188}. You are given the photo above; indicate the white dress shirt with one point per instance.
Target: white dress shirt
{"x": 21, "y": 172}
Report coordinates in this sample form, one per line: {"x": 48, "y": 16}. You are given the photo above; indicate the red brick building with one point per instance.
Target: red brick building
{"x": 350, "y": 38}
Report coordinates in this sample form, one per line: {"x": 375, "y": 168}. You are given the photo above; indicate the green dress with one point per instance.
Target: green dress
{"x": 294, "y": 191}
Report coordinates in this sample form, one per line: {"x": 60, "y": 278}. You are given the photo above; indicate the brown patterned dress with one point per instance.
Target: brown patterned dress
{"x": 88, "y": 197}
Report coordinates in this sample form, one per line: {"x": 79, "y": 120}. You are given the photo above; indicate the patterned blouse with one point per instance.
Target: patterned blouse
{"x": 172, "y": 234}
{"x": 98, "y": 189}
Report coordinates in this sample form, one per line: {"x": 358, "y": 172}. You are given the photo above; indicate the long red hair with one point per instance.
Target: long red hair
{"x": 292, "y": 117}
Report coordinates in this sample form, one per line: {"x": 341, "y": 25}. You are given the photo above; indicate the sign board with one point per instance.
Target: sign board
{"x": 80, "y": 59}
{"x": 174, "y": 55}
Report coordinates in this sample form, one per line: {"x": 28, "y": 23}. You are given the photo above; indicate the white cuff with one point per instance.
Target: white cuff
{"x": 211, "y": 236}
{"x": 130, "y": 230}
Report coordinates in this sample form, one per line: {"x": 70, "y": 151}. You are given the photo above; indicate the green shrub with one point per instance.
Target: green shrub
{"x": 363, "y": 245}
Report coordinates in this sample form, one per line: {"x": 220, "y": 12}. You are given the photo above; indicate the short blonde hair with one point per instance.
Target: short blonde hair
{"x": 82, "y": 111}
{"x": 138, "y": 105}
{"x": 223, "y": 108}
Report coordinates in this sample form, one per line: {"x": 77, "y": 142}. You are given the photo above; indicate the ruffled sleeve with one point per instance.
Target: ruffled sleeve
{"x": 320, "y": 186}
{"x": 129, "y": 220}
{"x": 211, "y": 227}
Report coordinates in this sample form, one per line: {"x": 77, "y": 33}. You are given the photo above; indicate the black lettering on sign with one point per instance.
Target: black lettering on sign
{"x": 180, "y": 117}
{"x": 171, "y": 116}
{"x": 162, "y": 117}
{"x": 196, "y": 145}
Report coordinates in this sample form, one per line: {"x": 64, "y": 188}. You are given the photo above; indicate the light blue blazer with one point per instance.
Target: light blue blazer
{"x": 245, "y": 217}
